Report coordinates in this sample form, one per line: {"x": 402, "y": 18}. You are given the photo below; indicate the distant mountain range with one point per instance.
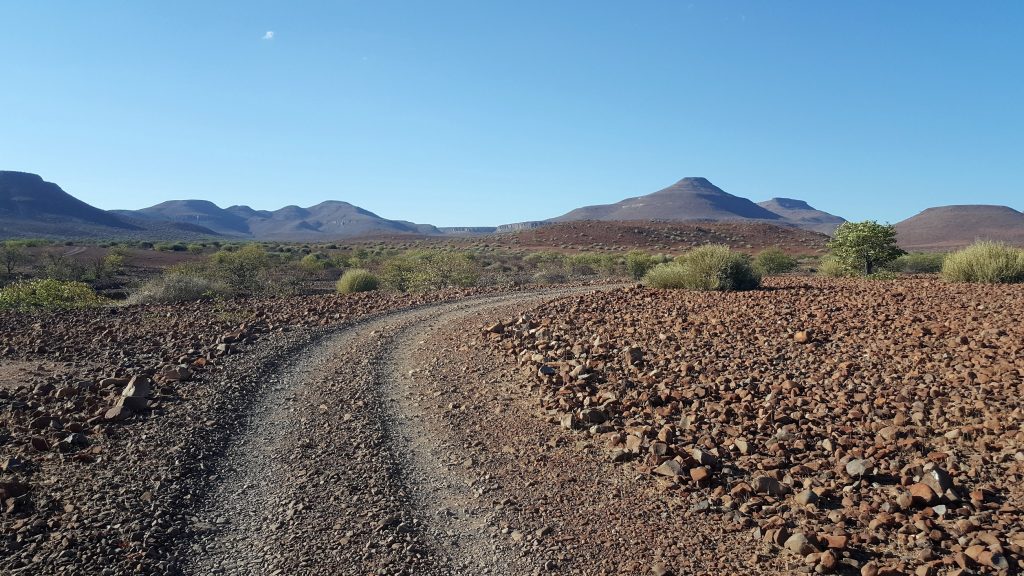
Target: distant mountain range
{"x": 327, "y": 220}
{"x": 32, "y": 207}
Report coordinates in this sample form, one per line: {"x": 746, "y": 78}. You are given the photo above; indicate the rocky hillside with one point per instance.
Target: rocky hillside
{"x": 30, "y": 206}
{"x": 951, "y": 227}
{"x": 687, "y": 199}
{"x": 803, "y": 214}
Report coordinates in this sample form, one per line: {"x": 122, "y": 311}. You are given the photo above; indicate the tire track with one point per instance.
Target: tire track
{"x": 337, "y": 469}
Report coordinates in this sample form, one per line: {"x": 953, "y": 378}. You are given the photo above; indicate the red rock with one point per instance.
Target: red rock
{"x": 922, "y": 494}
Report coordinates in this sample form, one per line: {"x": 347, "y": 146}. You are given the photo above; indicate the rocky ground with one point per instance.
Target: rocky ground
{"x": 815, "y": 426}
{"x": 607, "y": 236}
{"x": 852, "y": 426}
{"x": 107, "y": 418}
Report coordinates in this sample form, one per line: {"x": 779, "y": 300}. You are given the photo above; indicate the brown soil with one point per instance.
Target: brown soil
{"x": 870, "y": 422}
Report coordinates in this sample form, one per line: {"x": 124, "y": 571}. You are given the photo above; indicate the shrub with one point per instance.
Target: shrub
{"x": 638, "y": 263}
{"x": 244, "y": 270}
{"x": 713, "y": 267}
{"x": 179, "y": 285}
{"x": 60, "y": 267}
{"x": 667, "y": 276}
{"x": 170, "y": 247}
{"x": 583, "y": 264}
{"x": 357, "y": 280}
{"x": 918, "y": 263}
{"x": 985, "y": 262}
{"x": 313, "y": 263}
{"x": 774, "y": 261}
{"x": 48, "y": 294}
{"x": 833, "y": 268}
{"x": 429, "y": 270}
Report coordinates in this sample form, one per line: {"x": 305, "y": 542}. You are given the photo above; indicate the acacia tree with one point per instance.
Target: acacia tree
{"x": 864, "y": 245}
{"x": 12, "y": 255}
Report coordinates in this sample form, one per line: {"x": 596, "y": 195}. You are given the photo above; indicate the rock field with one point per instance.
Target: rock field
{"x": 870, "y": 427}
{"x": 815, "y": 426}
{"x": 107, "y": 418}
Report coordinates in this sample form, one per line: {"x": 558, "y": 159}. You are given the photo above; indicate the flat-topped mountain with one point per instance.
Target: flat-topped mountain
{"x": 950, "y": 227}
{"x": 29, "y": 203}
{"x": 687, "y": 199}
{"x": 803, "y": 214}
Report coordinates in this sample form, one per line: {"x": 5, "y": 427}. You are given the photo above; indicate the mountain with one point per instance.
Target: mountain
{"x": 30, "y": 206}
{"x": 951, "y": 227}
{"x": 687, "y": 199}
{"x": 803, "y": 214}
{"x": 327, "y": 220}
{"x": 197, "y": 212}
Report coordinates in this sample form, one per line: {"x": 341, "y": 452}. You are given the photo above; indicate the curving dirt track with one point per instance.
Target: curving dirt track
{"x": 399, "y": 446}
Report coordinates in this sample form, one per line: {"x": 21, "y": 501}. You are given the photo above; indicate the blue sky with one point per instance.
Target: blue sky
{"x": 480, "y": 113}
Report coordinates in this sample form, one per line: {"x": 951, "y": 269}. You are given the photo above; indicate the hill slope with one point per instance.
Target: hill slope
{"x": 803, "y": 214}
{"x": 198, "y": 212}
{"x": 951, "y": 227}
{"x": 669, "y": 237}
{"x": 31, "y": 206}
{"x": 687, "y": 199}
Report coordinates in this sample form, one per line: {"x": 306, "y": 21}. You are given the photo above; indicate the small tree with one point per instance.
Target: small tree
{"x": 864, "y": 245}
{"x": 13, "y": 254}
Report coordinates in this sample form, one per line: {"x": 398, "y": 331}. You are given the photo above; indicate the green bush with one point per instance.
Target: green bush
{"x": 713, "y": 267}
{"x": 831, "y": 267}
{"x": 421, "y": 271}
{"x": 583, "y": 264}
{"x": 638, "y": 263}
{"x": 48, "y": 294}
{"x": 182, "y": 284}
{"x": 357, "y": 280}
{"x": 918, "y": 263}
{"x": 244, "y": 270}
{"x": 313, "y": 263}
{"x": 985, "y": 262}
{"x": 667, "y": 276}
{"x": 773, "y": 261}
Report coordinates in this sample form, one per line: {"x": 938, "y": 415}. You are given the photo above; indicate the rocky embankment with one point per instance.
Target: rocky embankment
{"x": 847, "y": 426}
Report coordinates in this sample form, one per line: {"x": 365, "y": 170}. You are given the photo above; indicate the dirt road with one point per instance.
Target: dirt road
{"x": 398, "y": 446}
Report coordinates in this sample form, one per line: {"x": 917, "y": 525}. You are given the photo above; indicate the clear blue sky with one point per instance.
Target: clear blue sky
{"x": 480, "y": 112}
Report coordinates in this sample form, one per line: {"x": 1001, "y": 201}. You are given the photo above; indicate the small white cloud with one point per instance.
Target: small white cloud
{"x": 269, "y": 35}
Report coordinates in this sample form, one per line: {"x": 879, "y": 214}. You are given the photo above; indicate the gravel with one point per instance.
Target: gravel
{"x": 880, "y": 420}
